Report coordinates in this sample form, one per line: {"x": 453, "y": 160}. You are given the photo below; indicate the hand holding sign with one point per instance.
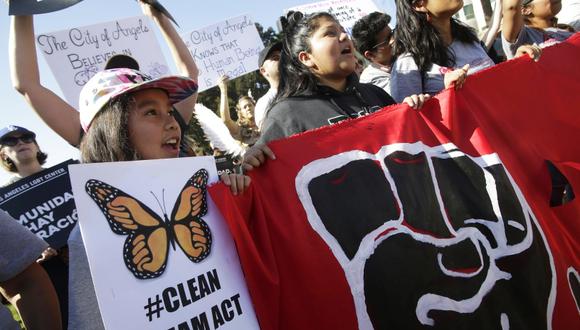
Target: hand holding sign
{"x": 31, "y": 7}
{"x": 158, "y": 7}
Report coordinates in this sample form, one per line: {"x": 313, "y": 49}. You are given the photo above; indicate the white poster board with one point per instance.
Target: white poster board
{"x": 209, "y": 292}
{"x": 75, "y": 55}
{"x": 346, "y": 11}
{"x": 230, "y": 47}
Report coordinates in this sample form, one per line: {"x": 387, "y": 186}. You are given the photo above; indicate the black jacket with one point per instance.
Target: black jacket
{"x": 326, "y": 106}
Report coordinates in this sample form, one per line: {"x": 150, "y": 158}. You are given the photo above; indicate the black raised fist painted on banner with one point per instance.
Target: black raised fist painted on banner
{"x": 429, "y": 237}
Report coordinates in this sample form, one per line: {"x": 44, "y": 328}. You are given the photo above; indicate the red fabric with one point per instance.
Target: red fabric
{"x": 525, "y": 112}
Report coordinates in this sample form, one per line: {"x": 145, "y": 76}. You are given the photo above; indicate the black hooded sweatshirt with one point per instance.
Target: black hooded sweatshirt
{"x": 297, "y": 114}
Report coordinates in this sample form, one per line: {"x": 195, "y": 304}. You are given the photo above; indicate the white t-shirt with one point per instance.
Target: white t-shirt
{"x": 262, "y": 105}
{"x": 406, "y": 78}
{"x": 381, "y": 77}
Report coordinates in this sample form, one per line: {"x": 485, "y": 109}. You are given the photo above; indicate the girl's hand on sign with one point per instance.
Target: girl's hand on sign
{"x": 456, "y": 77}
{"x": 238, "y": 183}
{"x": 47, "y": 254}
{"x": 256, "y": 156}
{"x": 416, "y": 101}
{"x": 534, "y": 51}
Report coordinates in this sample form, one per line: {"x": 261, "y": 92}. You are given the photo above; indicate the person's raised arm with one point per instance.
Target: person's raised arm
{"x": 491, "y": 33}
{"x": 32, "y": 293}
{"x": 225, "y": 108}
{"x": 60, "y": 116}
{"x": 513, "y": 20}
{"x": 181, "y": 56}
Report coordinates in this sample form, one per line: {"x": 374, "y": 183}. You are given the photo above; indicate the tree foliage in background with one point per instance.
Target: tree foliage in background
{"x": 251, "y": 83}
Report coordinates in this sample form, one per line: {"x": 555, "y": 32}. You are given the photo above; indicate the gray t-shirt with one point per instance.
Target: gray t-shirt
{"x": 528, "y": 36}
{"x": 377, "y": 76}
{"x": 83, "y": 309}
{"x": 406, "y": 78}
{"x": 19, "y": 249}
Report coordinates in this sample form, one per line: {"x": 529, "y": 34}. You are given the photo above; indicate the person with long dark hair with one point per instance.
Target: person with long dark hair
{"x": 318, "y": 83}
{"x": 434, "y": 50}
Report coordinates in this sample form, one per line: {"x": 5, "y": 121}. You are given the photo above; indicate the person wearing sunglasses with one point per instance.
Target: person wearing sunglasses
{"x": 373, "y": 39}
{"x": 20, "y": 153}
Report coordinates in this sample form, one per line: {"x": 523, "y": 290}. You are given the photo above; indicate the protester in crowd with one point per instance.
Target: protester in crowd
{"x": 269, "y": 61}
{"x": 56, "y": 113}
{"x": 530, "y": 22}
{"x": 244, "y": 129}
{"x": 20, "y": 152}
{"x": 23, "y": 282}
{"x": 125, "y": 116}
{"x": 318, "y": 86}
{"x": 434, "y": 50}
{"x": 373, "y": 39}
{"x": 21, "y": 155}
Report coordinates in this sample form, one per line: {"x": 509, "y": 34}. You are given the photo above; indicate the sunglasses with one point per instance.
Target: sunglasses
{"x": 11, "y": 141}
{"x": 389, "y": 40}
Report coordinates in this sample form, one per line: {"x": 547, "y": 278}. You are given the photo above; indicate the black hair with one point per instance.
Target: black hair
{"x": 366, "y": 29}
{"x": 107, "y": 139}
{"x": 295, "y": 77}
{"x": 416, "y": 36}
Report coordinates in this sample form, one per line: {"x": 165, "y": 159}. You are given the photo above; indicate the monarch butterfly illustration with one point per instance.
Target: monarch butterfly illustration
{"x": 146, "y": 248}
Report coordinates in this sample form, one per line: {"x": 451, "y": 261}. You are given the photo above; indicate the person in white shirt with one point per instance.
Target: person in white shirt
{"x": 373, "y": 39}
{"x": 268, "y": 61}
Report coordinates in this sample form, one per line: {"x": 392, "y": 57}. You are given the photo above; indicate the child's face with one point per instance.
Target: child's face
{"x": 246, "y": 109}
{"x": 331, "y": 53}
{"x": 153, "y": 131}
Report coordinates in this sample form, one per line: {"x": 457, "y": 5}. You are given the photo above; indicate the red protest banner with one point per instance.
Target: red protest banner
{"x": 438, "y": 217}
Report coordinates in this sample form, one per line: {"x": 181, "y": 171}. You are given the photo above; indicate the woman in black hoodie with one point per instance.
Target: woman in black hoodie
{"x": 318, "y": 84}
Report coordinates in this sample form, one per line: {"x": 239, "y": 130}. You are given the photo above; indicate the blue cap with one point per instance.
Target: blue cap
{"x": 12, "y": 128}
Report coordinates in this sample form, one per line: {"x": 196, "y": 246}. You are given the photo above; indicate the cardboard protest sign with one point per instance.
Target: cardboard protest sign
{"x": 160, "y": 254}
{"x": 346, "y": 11}
{"x": 43, "y": 203}
{"x": 32, "y": 7}
{"x": 227, "y": 48}
{"x": 75, "y": 55}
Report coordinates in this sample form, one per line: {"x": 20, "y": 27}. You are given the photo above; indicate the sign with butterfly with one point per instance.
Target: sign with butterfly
{"x": 160, "y": 254}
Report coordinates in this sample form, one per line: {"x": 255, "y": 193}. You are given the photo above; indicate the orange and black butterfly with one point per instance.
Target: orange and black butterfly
{"x": 148, "y": 235}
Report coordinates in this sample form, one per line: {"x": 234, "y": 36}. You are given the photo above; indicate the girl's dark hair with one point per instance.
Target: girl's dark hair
{"x": 295, "y": 77}
{"x": 107, "y": 139}
{"x": 415, "y": 35}
{"x": 9, "y": 165}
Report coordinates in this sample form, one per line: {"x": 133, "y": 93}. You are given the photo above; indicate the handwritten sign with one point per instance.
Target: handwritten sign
{"x": 161, "y": 255}
{"x": 346, "y": 11}
{"x": 75, "y": 55}
{"x": 228, "y": 48}
{"x": 43, "y": 203}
